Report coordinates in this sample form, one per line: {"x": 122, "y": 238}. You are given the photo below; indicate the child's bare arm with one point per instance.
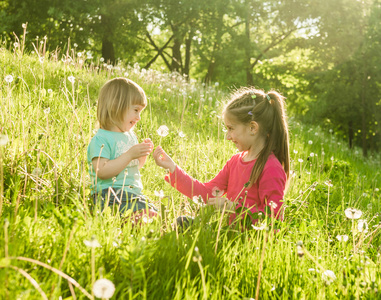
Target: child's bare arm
{"x": 106, "y": 168}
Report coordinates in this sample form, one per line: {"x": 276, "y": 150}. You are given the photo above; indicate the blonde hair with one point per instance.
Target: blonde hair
{"x": 115, "y": 98}
{"x": 249, "y": 104}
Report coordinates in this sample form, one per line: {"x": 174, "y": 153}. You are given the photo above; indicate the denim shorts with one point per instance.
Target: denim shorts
{"x": 121, "y": 200}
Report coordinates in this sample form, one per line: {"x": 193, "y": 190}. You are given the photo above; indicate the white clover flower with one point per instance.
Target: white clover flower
{"x": 3, "y": 139}
{"x": 362, "y": 226}
{"x": 216, "y": 192}
{"x": 8, "y": 78}
{"x": 328, "y": 276}
{"x": 93, "y": 243}
{"x": 103, "y": 288}
{"x": 163, "y": 131}
{"x": 159, "y": 194}
{"x": 352, "y": 213}
{"x": 342, "y": 238}
{"x": 71, "y": 79}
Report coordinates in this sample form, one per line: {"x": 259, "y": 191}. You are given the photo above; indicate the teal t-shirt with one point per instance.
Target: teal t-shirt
{"x": 114, "y": 144}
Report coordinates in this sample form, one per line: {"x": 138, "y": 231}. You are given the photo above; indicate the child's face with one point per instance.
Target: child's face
{"x": 240, "y": 134}
{"x": 132, "y": 117}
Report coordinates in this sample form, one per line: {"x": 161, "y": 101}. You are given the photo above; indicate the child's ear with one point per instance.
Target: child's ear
{"x": 254, "y": 127}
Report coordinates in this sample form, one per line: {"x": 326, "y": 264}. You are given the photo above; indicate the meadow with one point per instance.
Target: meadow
{"x": 54, "y": 244}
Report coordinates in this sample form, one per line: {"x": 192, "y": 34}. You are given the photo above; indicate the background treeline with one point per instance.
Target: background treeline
{"x": 323, "y": 55}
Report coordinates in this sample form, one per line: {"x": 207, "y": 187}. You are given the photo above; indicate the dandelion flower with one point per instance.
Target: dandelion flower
{"x": 273, "y": 205}
{"x": 328, "y": 276}
{"x": 362, "y": 226}
{"x": 103, "y": 288}
{"x": 352, "y": 213}
{"x": 300, "y": 160}
{"x": 163, "y": 131}
{"x": 3, "y": 139}
{"x": 93, "y": 243}
{"x": 310, "y": 142}
{"x": 71, "y": 79}
{"x": 8, "y": 78}
{"x": 342, "y": 238}
{"x": 159, "y": 194}
{"x": 216, "y": 192}
{"x": 260, "y": 227}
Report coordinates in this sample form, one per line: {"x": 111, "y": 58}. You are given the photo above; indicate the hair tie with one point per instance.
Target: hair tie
{"x": 268, "y": 97}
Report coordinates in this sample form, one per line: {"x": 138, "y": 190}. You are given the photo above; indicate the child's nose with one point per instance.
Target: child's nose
{"x": 228, "y": 137}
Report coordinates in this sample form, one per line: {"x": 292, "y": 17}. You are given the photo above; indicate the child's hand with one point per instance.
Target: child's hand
{"x": 163, "y": 160}
{"x": 148, "y": 141}
{"x": 140, "y": 150}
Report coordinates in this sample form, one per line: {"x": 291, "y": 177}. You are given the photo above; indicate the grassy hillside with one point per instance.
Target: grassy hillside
{"x": 53, "y": 243}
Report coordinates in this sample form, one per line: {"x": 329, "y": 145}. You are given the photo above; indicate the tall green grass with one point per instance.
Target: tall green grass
{"x": 48, "y": 220}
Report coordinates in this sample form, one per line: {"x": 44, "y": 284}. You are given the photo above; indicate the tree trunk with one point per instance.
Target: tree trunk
{"x": 188, "y": 44}
{"x": 363, "y": 121}
{"x": 107, "y": 46}
{"x": 176, "y": 64}
{"x": 350, "y": 134}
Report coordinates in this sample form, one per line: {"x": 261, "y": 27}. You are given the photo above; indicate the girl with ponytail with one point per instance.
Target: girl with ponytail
{"x": 254, "y": 179}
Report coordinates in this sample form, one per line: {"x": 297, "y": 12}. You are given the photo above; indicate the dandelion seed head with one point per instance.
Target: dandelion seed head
{"x": 8, "y": 78}
{"x": 163, "y": 131}
{"x": 328, "y": 276}
{"x": 3, "y": 139}
{"x": 342, "y": 238}
{"x": 362, "y": 226}
{"x": 93, "y": 243}
{"x": 352, "y": 213}
{"x": 310, "y": 142}
{"x": 217, "y": 192}
{"x": 103, "y": 288}
{"x": 71, "y": 79}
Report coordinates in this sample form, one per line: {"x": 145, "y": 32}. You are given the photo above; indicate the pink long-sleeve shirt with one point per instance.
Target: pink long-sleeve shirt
{"x": 231, "y": 180}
